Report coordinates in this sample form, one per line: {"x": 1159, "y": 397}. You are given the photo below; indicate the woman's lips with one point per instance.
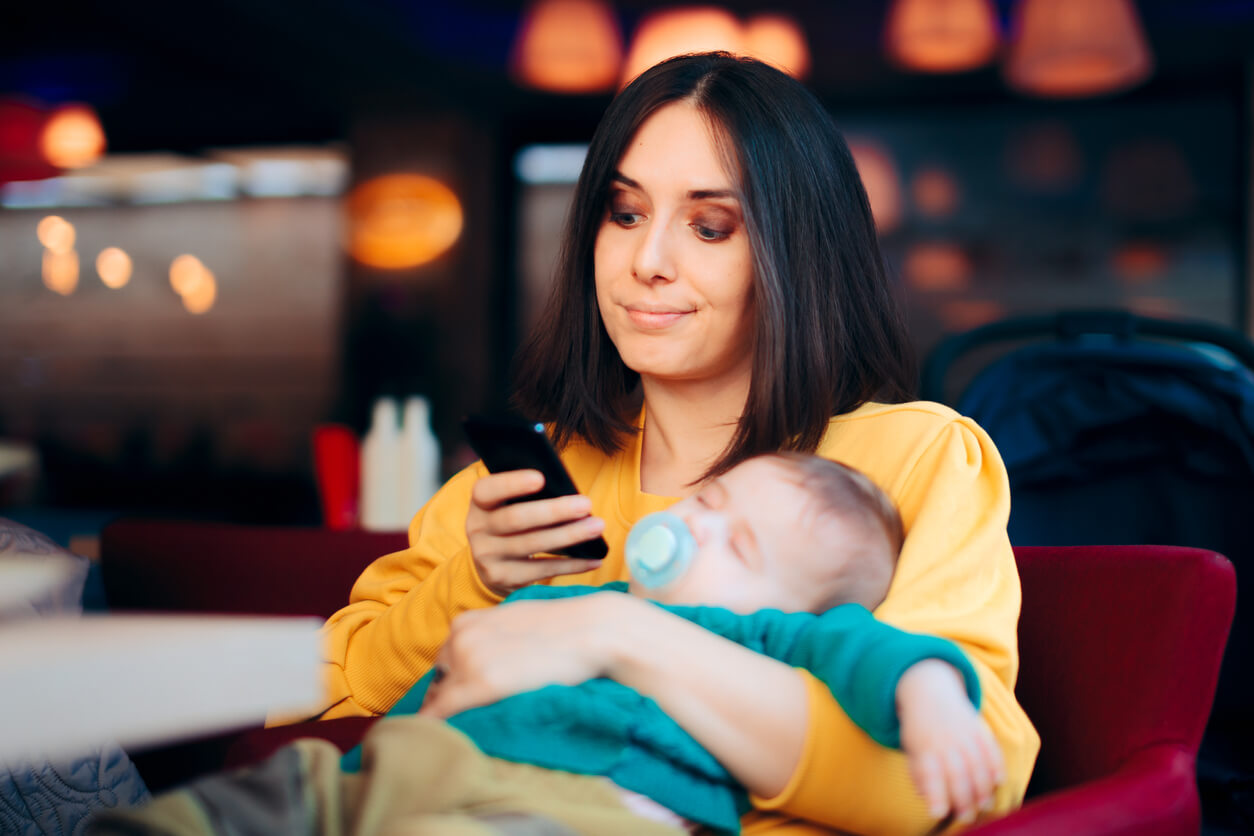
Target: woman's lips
{"x": 655, "y": 319}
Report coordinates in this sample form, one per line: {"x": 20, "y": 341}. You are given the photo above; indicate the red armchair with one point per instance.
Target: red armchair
{"x": 1120, "y": 651}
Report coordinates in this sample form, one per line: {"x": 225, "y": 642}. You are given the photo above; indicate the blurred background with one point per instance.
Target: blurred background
{"x": 227, "y": 224}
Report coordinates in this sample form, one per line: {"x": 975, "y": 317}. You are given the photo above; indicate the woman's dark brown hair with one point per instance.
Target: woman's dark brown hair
{"x": 829, "y": 333}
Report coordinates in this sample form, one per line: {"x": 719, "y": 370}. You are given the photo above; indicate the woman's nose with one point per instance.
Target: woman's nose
{"x": 653, "y": 259}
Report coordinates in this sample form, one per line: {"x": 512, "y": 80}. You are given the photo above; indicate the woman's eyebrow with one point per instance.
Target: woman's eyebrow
{"x": 709, "y": 194}
{"x": 695, "y": 194}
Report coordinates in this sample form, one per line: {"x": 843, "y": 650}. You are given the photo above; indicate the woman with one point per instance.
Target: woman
{"x": 720, "y": 293}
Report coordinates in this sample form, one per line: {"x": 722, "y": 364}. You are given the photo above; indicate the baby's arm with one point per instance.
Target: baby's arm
{"x": 954, "y": 761}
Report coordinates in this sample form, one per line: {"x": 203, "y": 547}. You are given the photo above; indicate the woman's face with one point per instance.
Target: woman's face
{"x": 674, "y": 272}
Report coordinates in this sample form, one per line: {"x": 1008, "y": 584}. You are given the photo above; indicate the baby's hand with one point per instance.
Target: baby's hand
{"x": 954, "y": 761}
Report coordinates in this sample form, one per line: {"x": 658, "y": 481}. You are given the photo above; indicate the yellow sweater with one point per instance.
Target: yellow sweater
{"x": 956, "y": 578}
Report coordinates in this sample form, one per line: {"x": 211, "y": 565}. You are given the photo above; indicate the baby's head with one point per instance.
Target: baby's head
{"x": 786, "y": 531}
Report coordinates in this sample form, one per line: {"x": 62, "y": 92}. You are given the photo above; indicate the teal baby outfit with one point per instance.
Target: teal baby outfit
{"x": 603, "y": 728}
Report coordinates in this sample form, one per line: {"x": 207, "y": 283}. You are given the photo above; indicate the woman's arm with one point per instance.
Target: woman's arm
{"x": 468, "y": 548}
{"x": 746, "y": 709}
{"x": 400, "y": 608}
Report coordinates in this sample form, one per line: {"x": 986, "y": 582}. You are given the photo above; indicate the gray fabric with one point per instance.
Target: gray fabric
{"x": 263, "y": 800}
{"x": 55, "y": 799}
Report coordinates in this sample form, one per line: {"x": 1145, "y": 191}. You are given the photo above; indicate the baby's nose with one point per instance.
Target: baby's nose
{"x": 707, "y": 526}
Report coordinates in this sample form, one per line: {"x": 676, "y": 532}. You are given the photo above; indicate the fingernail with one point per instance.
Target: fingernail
{"x": 966, "y": 816}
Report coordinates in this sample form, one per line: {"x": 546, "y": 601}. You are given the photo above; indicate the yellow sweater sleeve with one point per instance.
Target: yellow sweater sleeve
{"x": 956, "y": 578}
{"x": 400, "y": 608}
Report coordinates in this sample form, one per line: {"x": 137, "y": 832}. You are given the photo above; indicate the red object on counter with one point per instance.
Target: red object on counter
{"x": 337, "y": 468}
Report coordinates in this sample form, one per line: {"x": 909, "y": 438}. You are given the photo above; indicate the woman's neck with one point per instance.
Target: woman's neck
{"x": 687, "y": 428}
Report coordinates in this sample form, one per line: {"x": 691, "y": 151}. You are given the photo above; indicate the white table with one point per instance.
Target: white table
{"x": 69, "y": 684}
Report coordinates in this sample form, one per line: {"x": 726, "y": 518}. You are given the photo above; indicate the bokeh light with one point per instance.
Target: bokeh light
{"x": 201, "y": 297}
{"x": 187, "y": 273}
{"x": 1073, "y": 48}
{"x": 72, "y": 137}
{"x": 114, "y": 267}
{"x": 883, "y": 184}
{"x": 568, "y": 46}
{"x": 778, "y": 40}
{"x": 402, "y": 220}
{"x": 1140, "y": 262}
{"x": 935, "y": 192}
{"x": 941, "y": 36}
{"x": 938, "y": 266}
{"x": 670, "y": 32}
{"x": 1045, "y": 157}
{"x": 60, "y": 271}
{"x": 56, "y": 234}
{"x": 964, "y": 314}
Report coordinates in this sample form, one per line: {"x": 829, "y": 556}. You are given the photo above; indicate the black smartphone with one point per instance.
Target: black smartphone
{"x": 507, "y": 442}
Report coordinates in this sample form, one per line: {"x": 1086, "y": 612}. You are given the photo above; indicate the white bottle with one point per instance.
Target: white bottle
{"x": 420, "y": 456}
{"x": 382, "y": 508}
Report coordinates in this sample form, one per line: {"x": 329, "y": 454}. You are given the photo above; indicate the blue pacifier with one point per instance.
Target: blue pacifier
{"x": 659, "y": 549}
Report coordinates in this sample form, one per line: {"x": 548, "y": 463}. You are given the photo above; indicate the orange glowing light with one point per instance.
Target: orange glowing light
{"x": 965, "y": 314}
{"x": 883, "y": 185}
{"x": 201, "y": 297}
{"x": 938, "y": 266}
{"x": 114, "y": 267}
{"x": 778, "y": 40}
{"x": 1045, "y": 157}
{"x": 72, "y": 137}
{"x": 1159, "y": 306}
{"x": 56, "y": 234}
{"x": 1139, "y": 262}
{"x": 569, "y": 46}
{"x": 187, "y": 273}
{"x": 941, "y": 36}
{"x": 670, "y": 32}
{"x": 1068, "y": 48}
{"x": 402, "y": 220}
{"x": 935, "y": 192}
{"x": 60, "y": 271}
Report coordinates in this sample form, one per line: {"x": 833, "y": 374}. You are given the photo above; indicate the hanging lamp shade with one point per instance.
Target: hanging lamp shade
{"x": 397, "y": 221}
{"x": 665, "y": 34}
{"x": 941, "y": 36}
{"x": 568, "y": 46}
{"x": 778, "y": 40}
{"x": 1074, "y": 48}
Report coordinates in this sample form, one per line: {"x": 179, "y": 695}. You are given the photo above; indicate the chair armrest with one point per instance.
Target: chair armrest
{"x": 1153, "y": 793}
{"x": 256, "y": 745}
{"x": 216, "y": 567}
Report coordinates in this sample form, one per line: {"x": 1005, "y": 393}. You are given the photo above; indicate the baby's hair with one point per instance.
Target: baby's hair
{"x": 846, "y": 495}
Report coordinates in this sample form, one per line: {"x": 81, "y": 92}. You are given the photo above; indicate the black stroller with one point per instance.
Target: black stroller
{"x": 1121, "y": 429}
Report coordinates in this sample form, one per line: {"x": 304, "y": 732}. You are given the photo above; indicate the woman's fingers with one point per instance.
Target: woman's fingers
{"x": 503, "y": 535}
{"x": 540, "y": 514}
{"x": 495, "y": 489}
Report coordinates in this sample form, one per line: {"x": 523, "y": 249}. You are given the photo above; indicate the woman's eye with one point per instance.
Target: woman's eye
{"x": 624, "y": 219}
{"x": 706, "y": 233}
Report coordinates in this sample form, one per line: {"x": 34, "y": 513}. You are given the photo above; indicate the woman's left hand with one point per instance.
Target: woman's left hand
{"x": 497, "y": 652}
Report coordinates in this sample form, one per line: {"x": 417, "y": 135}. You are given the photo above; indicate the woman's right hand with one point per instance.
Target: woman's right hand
{"x": 503, "y": 537}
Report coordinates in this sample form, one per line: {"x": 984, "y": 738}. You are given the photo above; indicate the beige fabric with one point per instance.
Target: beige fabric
{"x": 418, "y": 776}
